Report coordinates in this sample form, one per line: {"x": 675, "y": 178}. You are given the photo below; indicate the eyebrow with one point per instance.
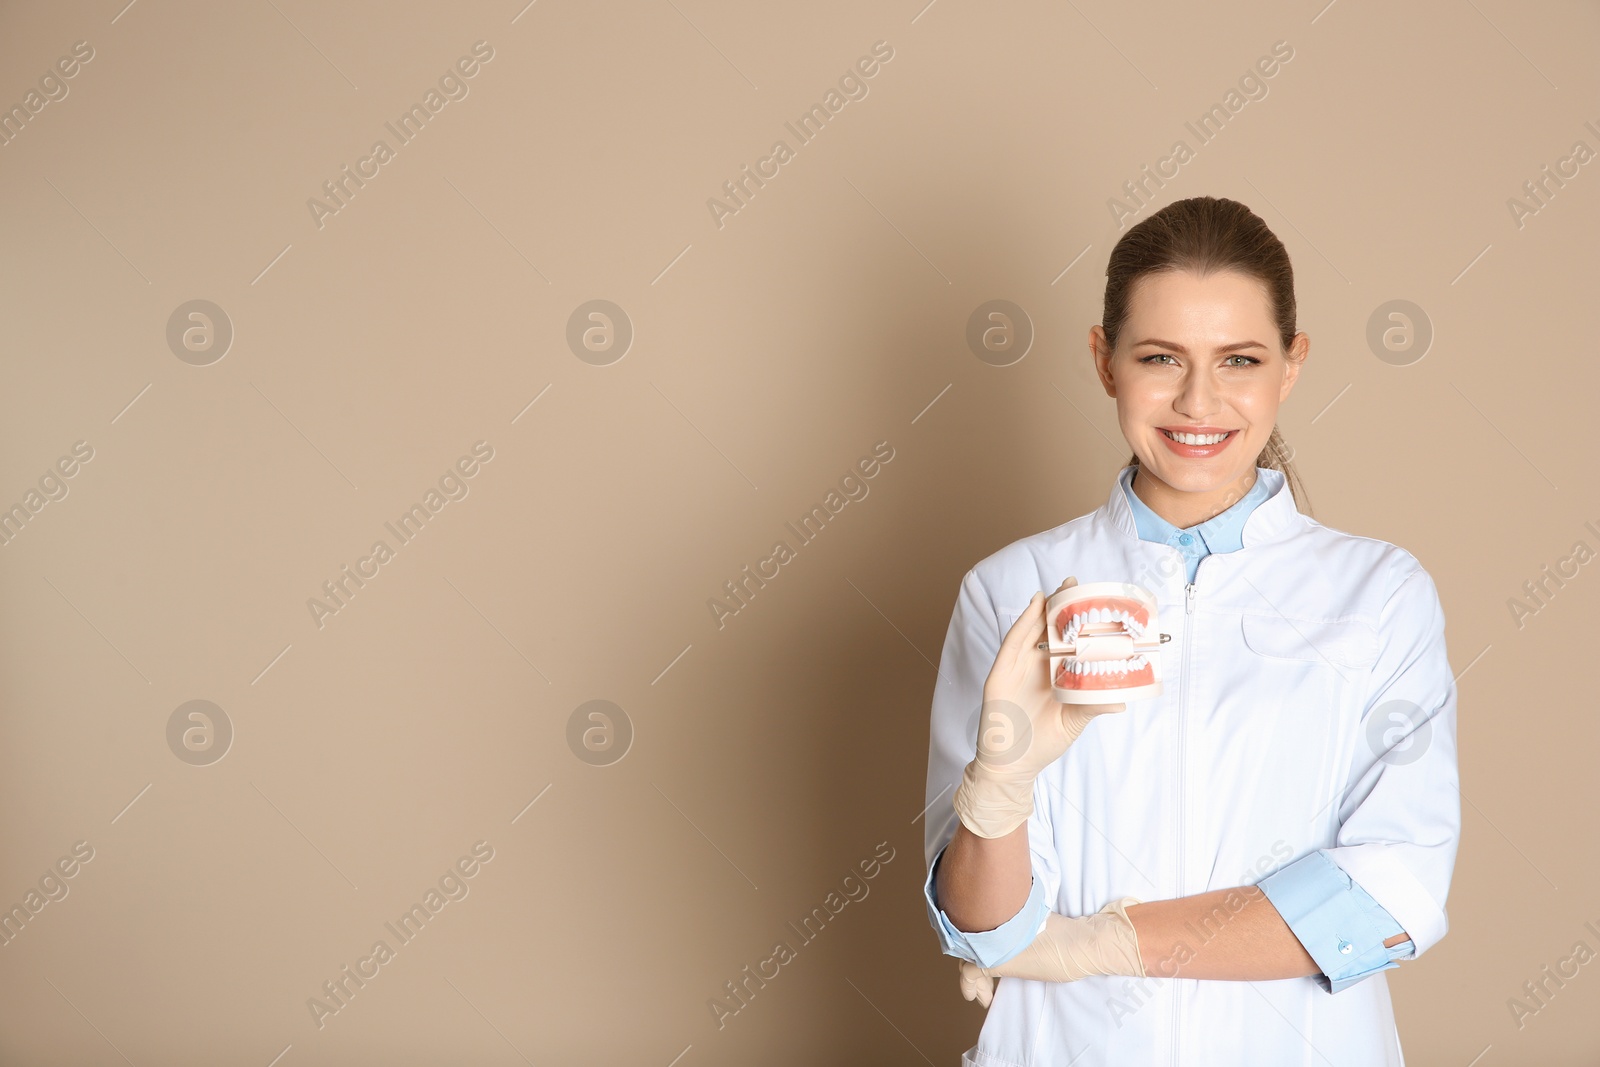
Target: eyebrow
{"x": 1174, "y": 345}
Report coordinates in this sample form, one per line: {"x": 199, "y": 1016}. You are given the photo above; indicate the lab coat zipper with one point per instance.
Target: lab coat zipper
{"x": 1183, "y": 693}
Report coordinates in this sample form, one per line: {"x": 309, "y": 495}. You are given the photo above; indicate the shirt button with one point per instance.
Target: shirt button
{"x": 1345, "y": 947}
{"x": 1184, "y": 539}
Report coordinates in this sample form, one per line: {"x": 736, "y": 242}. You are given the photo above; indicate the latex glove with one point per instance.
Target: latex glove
{"x": 1066, "y": 950}
{"x": 1022, "y": 730}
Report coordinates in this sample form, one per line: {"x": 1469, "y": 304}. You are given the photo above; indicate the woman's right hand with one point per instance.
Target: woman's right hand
{"x": 1022, "y": 729}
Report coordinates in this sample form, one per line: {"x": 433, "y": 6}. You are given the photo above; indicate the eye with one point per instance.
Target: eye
{"x": 1158, "y": 355}
{"x": 1248, "y": 359}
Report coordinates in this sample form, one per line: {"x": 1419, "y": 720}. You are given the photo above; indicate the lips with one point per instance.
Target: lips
{"x": 1196, "y": 451}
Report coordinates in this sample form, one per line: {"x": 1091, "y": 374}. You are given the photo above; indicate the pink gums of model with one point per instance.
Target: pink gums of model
{"x": 1104, "y": 647}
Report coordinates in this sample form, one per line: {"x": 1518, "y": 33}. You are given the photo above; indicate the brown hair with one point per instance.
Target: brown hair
{"x": 1206, "y": 234}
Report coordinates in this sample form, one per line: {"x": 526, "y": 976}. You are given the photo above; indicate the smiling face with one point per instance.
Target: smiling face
{"x": 1198, "y": 374}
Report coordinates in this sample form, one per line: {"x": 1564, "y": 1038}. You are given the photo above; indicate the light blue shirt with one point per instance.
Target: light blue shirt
{"x": 1223, "y": 532}
{"x": 1341, "y": 926}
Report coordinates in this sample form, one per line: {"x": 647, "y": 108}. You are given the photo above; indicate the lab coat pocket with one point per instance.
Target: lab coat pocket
{"x": 1008, "y": 618}
{"x": 1309, "y": 664}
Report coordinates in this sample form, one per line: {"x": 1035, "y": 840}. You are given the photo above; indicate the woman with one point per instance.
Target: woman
{"x": 1222, "y": 873}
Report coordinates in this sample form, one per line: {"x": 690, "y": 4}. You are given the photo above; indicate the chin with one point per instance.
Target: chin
{"x": 1191, "y": 481}
{"x": 1194, "y": 476}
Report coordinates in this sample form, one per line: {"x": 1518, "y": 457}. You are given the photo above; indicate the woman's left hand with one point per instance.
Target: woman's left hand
{"x": 1065, "y": 950}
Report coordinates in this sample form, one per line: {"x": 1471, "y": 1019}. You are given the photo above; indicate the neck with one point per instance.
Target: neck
{"x": 1184, "y": 509}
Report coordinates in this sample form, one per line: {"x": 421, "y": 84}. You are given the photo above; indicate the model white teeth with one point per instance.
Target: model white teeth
{"x": 1107, "y": 666}
{"x": 1196, "y": 438}
{"x": 1102, "y": 615}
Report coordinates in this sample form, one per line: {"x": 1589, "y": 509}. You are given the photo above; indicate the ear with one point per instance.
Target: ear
{"x": 1296, "y": 357}
{"x": 1100, "y": 349}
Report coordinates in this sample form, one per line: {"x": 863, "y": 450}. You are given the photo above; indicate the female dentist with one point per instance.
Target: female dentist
{"x": 1218, "y": 875}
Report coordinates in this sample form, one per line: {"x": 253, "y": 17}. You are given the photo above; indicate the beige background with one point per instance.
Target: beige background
{"x": 771, "y": 756}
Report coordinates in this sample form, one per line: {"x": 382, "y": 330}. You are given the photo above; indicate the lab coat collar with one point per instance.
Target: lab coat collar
{"x": 1269, "y": 521}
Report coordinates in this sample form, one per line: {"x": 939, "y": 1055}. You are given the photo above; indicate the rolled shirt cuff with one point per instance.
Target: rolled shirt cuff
{"x": 1341, "y": 926}
{"x": 987, "y": 948}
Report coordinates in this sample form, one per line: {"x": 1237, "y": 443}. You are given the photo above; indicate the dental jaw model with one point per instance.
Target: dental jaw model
{"x": 1103, "y": 643}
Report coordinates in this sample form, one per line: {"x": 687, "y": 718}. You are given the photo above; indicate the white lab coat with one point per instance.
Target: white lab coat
{"x": 1274, "y": 736}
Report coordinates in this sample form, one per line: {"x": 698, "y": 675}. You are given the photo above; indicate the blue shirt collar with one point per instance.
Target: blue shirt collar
{"x": 1222, "y": 532}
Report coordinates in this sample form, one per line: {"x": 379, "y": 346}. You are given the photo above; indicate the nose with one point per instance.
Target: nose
{"x": 1198, "y": 397}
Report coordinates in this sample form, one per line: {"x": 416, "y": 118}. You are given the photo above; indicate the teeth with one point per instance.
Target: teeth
{"x": 1107, "y": 666}
{"x": 1196, "y": 438}
{"x": 1102, "y": 615}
